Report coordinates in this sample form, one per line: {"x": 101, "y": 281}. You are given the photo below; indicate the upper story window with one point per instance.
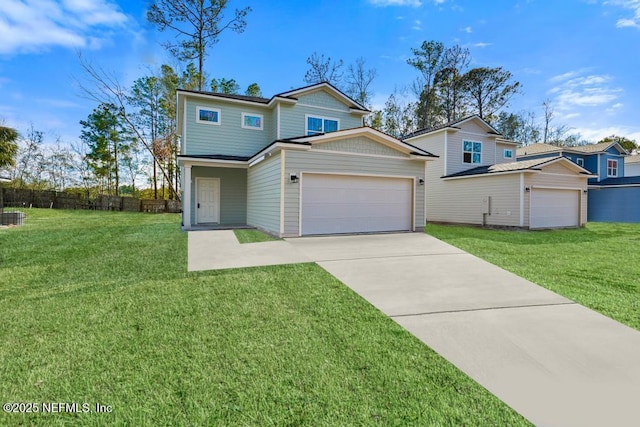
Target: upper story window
{"x": 507, "y": 153}
{"x": 318, "y": 125}
{"x": 208, "y": 115}
{"x": 471, "y": 152}
{"x": 580, "y": 161}
{"x": 252, "y": 121}
{"x": 612, "y": 168}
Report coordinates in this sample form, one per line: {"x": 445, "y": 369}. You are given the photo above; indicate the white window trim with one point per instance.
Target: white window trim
{"x": 306, "y": 123}
{"x": 481, "y": 152}
{"x": 199, "y": 108}
{"x": 616, "y": 162}
{"x": 504, "y": 153}
{"x": 252, "y": 115}
{"x": 580, "y": 161}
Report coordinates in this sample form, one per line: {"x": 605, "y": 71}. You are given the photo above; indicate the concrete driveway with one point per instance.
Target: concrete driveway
{"x": 554, "y": 361}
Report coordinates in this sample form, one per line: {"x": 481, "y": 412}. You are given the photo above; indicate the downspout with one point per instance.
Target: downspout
{"x": 446, "y": 142}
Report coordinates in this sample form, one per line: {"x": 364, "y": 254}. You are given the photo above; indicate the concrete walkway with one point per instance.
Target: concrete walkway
{"x": 554, "y": 361}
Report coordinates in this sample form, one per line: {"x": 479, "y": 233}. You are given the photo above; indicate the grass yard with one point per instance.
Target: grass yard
{"x": 597, "y": 266}
{"x": 252, "y": 236}
{"x": 97, "y": 307}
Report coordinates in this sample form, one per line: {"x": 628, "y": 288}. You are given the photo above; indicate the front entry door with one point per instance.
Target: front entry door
{"x": 208, "y": 200}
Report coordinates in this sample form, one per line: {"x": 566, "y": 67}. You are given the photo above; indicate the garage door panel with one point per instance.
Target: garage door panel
{"x": 333, "y": 204}
{"x": 552, "y": 208}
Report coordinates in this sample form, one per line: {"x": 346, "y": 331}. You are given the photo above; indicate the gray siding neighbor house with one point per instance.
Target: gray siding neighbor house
{"x": 476, "y": 180}
{"x": 298, "y": 163}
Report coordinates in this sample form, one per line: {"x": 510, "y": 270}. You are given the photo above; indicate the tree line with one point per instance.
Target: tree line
{"x": 130, "y": 136}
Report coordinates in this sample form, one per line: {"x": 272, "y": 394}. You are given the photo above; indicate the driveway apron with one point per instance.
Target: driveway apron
{"x": 554, "y": 361}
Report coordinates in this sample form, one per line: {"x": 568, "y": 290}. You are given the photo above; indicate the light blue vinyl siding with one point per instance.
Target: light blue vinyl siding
{"x": 318, "y": 104}
{"x": 233, "y": 193}
{"x": 614, "y": 204}
{"x": 310, "y": 161}
{"x": 263, "y": 207}
{"x": 229, "y": 138}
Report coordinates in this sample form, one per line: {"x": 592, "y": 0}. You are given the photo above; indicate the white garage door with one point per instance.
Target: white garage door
{"x": 552, "y": 208}
{"x": 333, "y": 204}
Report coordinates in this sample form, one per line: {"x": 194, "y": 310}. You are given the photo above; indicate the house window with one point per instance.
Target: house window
{"x": 252, "y": 121}
{"x": 318, "y": 125}
{"x": 208, "y": 115}
{"x": 471, "y": 152}
{"x": 580, "y": 161}
{"x": 507, "y": 153}
{"x": 612, "y": 168}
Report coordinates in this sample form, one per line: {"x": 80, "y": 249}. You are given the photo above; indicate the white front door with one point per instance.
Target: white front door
{"x": 207, "y": 200}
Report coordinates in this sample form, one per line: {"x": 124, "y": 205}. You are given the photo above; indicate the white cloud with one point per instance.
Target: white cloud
{"x": 597, "y": 134}
{"x": 467, "y": 30}
{"x": 634, "y": 6}
{"x": 482, "y": 44}
{"x": 35, "y": 25}
{"x": 417, "y": 25}
{"x": 576, "y": 91}
{"x": 385, "y": 3}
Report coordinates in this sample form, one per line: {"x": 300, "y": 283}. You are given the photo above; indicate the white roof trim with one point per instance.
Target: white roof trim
{"x": 324, "y": 85}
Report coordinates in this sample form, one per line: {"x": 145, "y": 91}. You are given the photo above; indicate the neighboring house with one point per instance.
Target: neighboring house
{"x": 476, "y": 180}
{"x": 614, "y": 194}
{"x": 632, "y": 165}
{"x": 298, "y": 163}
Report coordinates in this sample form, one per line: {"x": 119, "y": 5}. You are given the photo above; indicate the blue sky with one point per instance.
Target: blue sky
{"x": 582, "y": 55}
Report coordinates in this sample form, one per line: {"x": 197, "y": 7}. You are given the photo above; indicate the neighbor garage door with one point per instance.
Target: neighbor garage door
{"x": 551, "y": 208}
{"x": 333, "y": 204}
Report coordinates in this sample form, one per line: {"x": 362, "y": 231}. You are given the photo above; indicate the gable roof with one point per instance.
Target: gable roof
{"x": 369, "y": 132}
{"x": 454, "y": 125}
{"x": 284, "y": 96}
{"x": 329, "y": 88}
{"x": 542, "y": 148}
{"x": 522, "y": 166}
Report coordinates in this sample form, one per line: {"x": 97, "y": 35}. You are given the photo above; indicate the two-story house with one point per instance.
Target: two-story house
{"x": 476, "y": 180}
{"x": 613, "y": 195}
{"x": 298, "y": 163}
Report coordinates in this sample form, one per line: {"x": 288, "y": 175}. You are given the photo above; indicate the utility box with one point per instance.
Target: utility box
{"x": 12, "y": 218}
{"x": 486, "y": 205}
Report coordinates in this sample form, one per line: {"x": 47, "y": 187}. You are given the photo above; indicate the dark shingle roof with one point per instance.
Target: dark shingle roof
{"x": 627, "y": 180}
{"x": 230, "y": 96}
{"x": 215, "y": 157}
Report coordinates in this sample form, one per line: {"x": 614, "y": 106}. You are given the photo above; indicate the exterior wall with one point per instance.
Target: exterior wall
{"x": 500, "y": 153}
{"x": 551, "y": 178}
{"x": 233, "y": 193}
{"x": 434, "y": 144}
{"x": 360, "y": 145}
{"x": 603, "y": 164}
{"x": 228, "y": 138}
{"x": 620, "y": 204}
{"x": 315, "y": 161}
{"x": 263, "y": 194}
{"x": 461, "y": 200}
{"x": 320, "y": 104}
{"x": 472, "y": 132}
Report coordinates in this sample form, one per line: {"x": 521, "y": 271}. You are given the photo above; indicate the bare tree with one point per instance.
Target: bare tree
{"x": 196, "y": 24}
{"x": 449, "y": 83}
{"x": 109, "y": 90}
{"x": 323, "y": 70}
{"x": 359, "y": 82}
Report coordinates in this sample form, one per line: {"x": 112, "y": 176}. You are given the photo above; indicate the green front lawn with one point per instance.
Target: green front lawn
{"x": 597, "y": 266}
{"x": 97, "y": 307}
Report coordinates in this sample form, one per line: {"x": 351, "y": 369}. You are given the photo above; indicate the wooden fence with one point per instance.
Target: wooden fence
{"x": 12, "y": 197}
